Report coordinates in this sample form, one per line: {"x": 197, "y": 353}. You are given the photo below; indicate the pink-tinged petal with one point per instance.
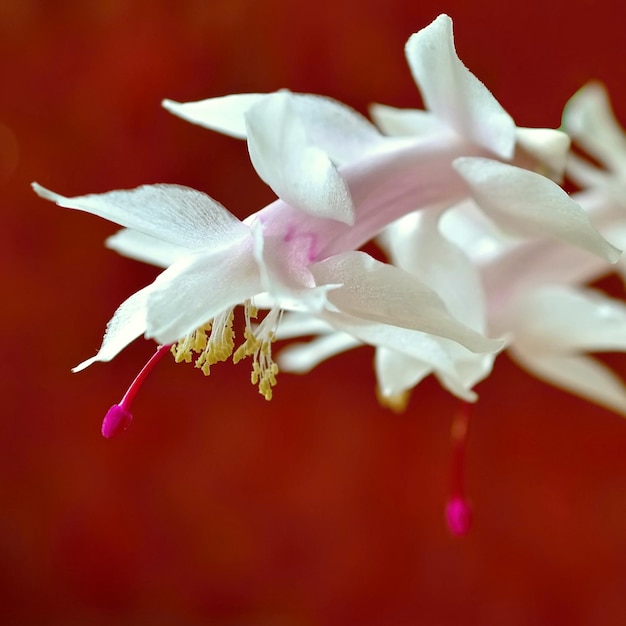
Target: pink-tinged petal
{"x": 224, "y": 115}
{"x": 547, "y": 146}
{"x": 283, "y": 262}
{"x": 379, "y": 292}
{"x": 172, "y": 213}
{"x": 299, "y": 172}
{"x": 193, "y": 291}
{"x": 454, "y": 94}
{"x": 136, "y": 245}
{"x": 407, "y": 122}
{"x": 580, "y": 375}
{"x": 528, "y": 204}
{"x": 127, "y": 323}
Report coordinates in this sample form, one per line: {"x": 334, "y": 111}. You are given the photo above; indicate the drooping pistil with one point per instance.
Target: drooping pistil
{"x": 458, "y": 509}
{"x": 119, "y": 417}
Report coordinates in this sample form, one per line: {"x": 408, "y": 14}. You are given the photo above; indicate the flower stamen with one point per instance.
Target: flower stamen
{"x": 214, "y": 342}
{"x": 258, "y": 344}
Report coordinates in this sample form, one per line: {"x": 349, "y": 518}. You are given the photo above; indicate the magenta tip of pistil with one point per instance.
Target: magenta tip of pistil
{"x": 458, "y": 516}
{"x": 116, "y": 421}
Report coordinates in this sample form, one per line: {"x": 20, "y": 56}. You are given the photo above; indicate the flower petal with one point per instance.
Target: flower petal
{"x": 454, "y": 94}
{"x": 589, "y": 120}
{"x": 379, "y": 292}
{"x": 337, "y": 129}
{"x": 580, "y": 375}
{"x": 225, "y": 114}
{"x": 127, "y": 323}
{"x": 397, "y": 373}
{"x": 136, "y": 245}
{"x": 415, "y": 244}
{"x": 302, "y": 357}
{"x": 569, "y": 319}
{"x": 172, "y": 213}
{"x": 299, "y": 172}
{"x": 193, "y": 291}
{"x": 549, "y": 147}
{"x": 407, "y": 122}
{"x": 526, "y": 203}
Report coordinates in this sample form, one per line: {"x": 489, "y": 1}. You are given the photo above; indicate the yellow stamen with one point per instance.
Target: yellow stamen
{"x": 258, "y": 345}
{"x": 214, "y": 342}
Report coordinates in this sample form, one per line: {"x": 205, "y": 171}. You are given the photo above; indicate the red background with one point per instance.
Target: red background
{"x": 319, "y": 508}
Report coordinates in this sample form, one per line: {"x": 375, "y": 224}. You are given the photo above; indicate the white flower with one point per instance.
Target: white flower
{"x": 302, "y": 254}
{"x": 339, "y": 182}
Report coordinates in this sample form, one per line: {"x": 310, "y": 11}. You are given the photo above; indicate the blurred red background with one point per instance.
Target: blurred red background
{"x": 319, "y": 508}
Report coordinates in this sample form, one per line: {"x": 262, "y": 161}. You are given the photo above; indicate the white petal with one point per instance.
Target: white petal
{"x": 294, "y": 325}
{"x": 379, "y": 292}
{"x": 571, "y": 319}
{"x": 225, "y": 114}
{"x": 342, "y": 133}
{"x": 580, "y": 375}
{"x": 299, "y": 173}
{"x": 526, "y": 203}
{"x": 454, "y": 94}
{"x": 397, "y": 373}
{"x": 550, "y": 147}
{"x": 337, "y": 129}
{"x": 172, "y": 213}
{"x": 191, "y": 292}
{"x": 416, "y": 245}
{"x": 140, "y": 247}
{"x": 407, "y": 122}
{"x": 303, "y": 357}
{"x": 127, "y": 323}
{"x": 589, "y": 119}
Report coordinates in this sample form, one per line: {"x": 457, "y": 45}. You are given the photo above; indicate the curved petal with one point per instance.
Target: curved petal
{"x": 136, "y": 245}
{"x": 549, "y": 147}
{"x": 342, "y": 133}
{"x": 302, "y": 357}
{"x": 454, "y": 94}
{"x": 225, "y": 114}
{"x": 379, "y": 292}
{"x": 299, "y": 172}
{"x": 397, "y": 373}
{"x": 569, "y": 319}
{"x": 337, "y": 129}
{"x": 526, "y": 203}
{"x": 415, "y": 244}
{"x": 407, "y": 122}
{"x": 191, "y": 292}
{"x": 172, "y": 213}
{"x": 580, "y": 375}
{"x": 589, "y": 119}
{"x": 127, "y": 323}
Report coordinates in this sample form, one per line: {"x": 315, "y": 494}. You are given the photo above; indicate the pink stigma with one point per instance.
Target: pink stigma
{"x": 458, "y": 516}
{"x": 119, "y": 417}
{"x": 116, "y": 421}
